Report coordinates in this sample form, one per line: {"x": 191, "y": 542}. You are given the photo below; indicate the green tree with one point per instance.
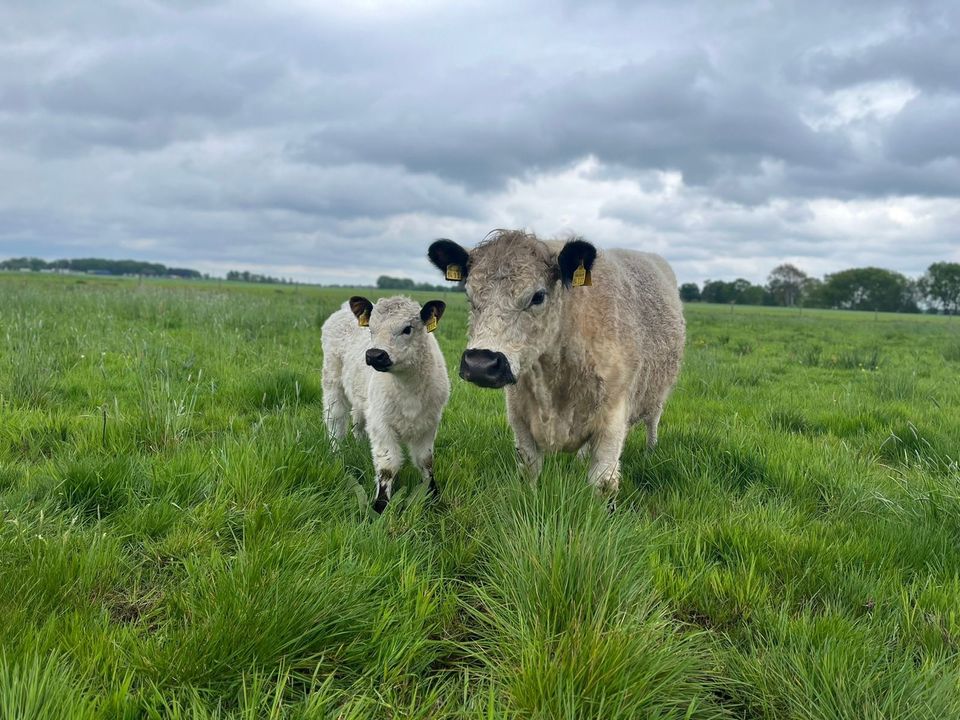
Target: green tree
{"x": 385, "y": 282}
{"x": 941, "y": 286}
{"x": 717, "y": 291}
{"x": 869, "y": 288}
{"x": 690, "y": 292}
{"x": 786, "y": 283}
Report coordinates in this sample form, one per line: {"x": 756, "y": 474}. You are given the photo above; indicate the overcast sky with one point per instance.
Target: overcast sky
{"x": 332, "y": 142}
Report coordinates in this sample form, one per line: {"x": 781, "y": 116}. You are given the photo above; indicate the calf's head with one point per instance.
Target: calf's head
{"x": 398, "y": 330}
{"x": 516, "y": 287}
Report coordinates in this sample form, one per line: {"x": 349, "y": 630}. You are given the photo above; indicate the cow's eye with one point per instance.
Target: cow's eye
{"x": 538, "y": 297}
{"x": 408, "y": 329}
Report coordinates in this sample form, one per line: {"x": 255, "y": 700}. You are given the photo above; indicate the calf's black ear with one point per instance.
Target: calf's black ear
{"x": 362, "y": 308}
{"x": 450, "y": 258}
{"x": 575, "y": 260}
{"x": 431, "y": 313}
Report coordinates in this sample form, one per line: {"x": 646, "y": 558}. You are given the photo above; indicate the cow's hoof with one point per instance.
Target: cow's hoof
{"x": 379, "y": 505}
{"x": 611, "y": 505}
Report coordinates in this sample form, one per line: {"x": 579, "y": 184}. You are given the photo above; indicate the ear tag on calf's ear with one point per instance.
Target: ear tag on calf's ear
{"x": 454, "y": 273}
{"x": 581, "y": 276}
{"x": 364, "y": 320}
{"x": 431, "y": 324}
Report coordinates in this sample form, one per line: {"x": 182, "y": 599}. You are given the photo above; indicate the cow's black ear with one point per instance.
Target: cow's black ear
{"x": 431, "y": 313}
{"x": 450, "y": 258}
{"x": 361, "y": 307}
{"x": 576, "y": 260}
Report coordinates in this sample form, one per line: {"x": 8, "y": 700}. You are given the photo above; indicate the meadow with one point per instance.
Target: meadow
{"x": 179, "y": 540}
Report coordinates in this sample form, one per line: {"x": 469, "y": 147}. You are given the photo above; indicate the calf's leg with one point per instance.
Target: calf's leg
{"x": 336, "y": 407}
{"x": 422, "y": 455}
{"x": 387, "y": 461}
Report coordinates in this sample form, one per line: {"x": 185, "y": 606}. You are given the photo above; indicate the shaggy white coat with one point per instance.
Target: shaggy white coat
{"x": 396, "y": 409}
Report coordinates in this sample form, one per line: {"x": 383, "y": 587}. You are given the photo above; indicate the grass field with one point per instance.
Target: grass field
{"x": 178, "y": 540}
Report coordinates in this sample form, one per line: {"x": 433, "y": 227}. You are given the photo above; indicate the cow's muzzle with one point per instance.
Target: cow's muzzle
{"x": 379, "y": 360}
{"x": 486, "y": 368}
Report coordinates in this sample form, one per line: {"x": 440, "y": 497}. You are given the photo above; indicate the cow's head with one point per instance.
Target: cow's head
{"x": 398, "y": 330}
{"x": 516, "y": 286}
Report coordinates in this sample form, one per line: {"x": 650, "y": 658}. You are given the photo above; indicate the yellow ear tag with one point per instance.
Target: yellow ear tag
{"x": 364, "y": 320}
{"x": 453, "y": 272}
{"x": 581, "y": 276}
{"x": 431, "y": 324}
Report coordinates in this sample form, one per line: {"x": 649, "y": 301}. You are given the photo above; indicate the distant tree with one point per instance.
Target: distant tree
{"x": 941, "y": 286}
{"x": 690, "y": 292}
{"x": 753, "y": 295}
{"x": 24, "y": 263}
{"x": 786, "y": 284}
{"x": 869, "y": 288}
{"x": 813, "y": 293}
{"x": 100, "y": 266}
{"x": 717, "y": 291}
{"x": 741, "y": 291}
{"x": 385, "y": 282}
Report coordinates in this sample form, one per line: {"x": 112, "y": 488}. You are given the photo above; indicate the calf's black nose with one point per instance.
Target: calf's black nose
{"x": 486, "y": 368}
{"x": 379, "y": 359}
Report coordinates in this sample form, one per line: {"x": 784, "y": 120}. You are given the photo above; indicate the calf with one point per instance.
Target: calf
{"x": 384, "y": 372}
{"x": 586, "y": 344}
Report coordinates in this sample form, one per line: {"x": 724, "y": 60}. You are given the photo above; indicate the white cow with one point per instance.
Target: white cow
{"x": 586, "y": 343}
{"x": 383, "y": 370}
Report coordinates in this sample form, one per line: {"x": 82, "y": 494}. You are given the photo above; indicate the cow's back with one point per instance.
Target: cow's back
{"x": 632, "y": 320}
{"x": 344, "y": 343}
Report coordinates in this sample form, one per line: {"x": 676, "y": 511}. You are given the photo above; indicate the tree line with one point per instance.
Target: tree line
{"x": 98, "y": 265}
{"x": 246, "y": 276}
{"x": 385, "y": 282}
{"x": 869, "y": 288}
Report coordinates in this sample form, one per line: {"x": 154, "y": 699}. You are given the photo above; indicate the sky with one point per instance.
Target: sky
{"x": 332, "y": 142}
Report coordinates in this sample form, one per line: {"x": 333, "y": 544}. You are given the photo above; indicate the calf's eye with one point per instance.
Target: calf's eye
{"x": 538, "y": 297}
{"x": 408, "y": 329}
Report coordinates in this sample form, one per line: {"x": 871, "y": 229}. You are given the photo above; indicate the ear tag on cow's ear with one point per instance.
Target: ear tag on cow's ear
{"x": 581, "y": 276}
{"x": 454, "y": 272}
{"x": 364, "y": 319}
{"x": 431, "y": 324}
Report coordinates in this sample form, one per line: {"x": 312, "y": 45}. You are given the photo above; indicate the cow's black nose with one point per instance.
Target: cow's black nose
{"x": 379, "y": 359}
{"x": 486, "y": 368}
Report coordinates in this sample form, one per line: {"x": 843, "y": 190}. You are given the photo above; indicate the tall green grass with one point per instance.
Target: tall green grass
{"x": 178, "y": 538}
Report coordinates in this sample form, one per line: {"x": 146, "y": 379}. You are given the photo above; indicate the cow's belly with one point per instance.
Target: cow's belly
{"x": 557, "y": 429}
{"x": 559, "y": 437}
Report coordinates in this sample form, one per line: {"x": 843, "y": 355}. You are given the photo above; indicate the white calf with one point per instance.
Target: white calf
{"x": 383, "y": 372}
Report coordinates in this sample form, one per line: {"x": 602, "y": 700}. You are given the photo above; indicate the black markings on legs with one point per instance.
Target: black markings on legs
{"x": 384, "y": 482}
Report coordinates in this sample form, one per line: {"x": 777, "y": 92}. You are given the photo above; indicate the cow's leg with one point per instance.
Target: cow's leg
{"x": 652, "y": 422}
{"x": 387, "y": 461}
{"x": 529, "y": 456}
{"x": 586, "y": 450}
{"x": 336, "y": 407}
{"x": 422, "y": 454}
{"x": 607, "y": 447}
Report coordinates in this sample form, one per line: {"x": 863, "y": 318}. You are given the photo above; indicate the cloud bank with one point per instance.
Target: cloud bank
{"x": 333, "y": 142}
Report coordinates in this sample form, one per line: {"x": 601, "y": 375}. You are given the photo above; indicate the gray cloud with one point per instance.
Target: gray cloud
{"x": 334, "y": 143}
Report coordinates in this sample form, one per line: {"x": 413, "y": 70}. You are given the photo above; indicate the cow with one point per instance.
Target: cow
{"x": 384, "y": 374}
{"x": 586, "y": 343}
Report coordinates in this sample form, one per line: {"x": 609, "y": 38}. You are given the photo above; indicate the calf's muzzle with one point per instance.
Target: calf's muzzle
{"x": 486, "y": 368}
{"x": 379, "y": 359}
